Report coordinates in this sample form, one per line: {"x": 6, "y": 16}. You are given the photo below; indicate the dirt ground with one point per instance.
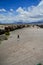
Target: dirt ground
{"x": 27, "y": 50}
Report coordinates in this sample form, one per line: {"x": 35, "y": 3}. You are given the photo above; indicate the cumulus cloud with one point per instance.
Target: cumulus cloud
{"x": 2, "y": 10}
{"x": 32, "y": 14}
{"x": 11, "y": 10}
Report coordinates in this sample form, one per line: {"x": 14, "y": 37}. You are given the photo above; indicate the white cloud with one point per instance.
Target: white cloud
{"x": 20, "y": 10}
{"x": 2, "y": 10}
{"x": 11, "y": 10}
{"x": 41, "y": 3}
{"x": 32, "y": 14}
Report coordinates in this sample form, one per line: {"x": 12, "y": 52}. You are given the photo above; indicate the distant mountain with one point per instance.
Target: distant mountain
{"x": 0, "y": 23}
{"x": 39, "y": 22}
{"x": 13, "y": 23}
{"x": 18, "y": 22}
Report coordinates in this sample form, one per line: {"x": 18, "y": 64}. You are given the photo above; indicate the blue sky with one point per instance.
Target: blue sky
{"x": 7, "y": 4}
{"x": 21, "y": 10}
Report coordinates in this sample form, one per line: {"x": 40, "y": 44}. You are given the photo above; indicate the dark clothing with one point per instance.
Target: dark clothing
{"x": 18, "y": 36}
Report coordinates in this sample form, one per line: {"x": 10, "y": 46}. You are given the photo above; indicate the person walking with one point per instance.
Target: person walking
{"x": 18, "y": 36}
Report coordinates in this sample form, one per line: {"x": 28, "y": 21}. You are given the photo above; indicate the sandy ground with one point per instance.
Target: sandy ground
{"x": 27, "y": 50}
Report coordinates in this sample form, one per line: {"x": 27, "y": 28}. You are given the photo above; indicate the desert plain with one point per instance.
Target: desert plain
{"x": 27, "y": 50}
